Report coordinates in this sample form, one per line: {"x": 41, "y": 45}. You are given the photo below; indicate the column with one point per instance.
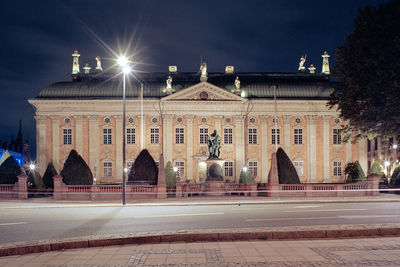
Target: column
{"x": 287, "y": 133}
{"x": 348, "y": 151}
{"x": 363, "y": 154}
{"x": 41, "y": 143}
{"x": 325, "y": 143}
{"x": 311, "y": 148}
{"x": 78, "y": 134}
{"x": 94, "y": 144}
{"x": 143, "y": 132}
{"x": 239, "y": 145}
{"x": 118, "y": 149}
{"x": 167, "y": 138}
{"x": 189, "y": 147}
{"x": 55, "y": 131}
{"x": 217, "y": 124}
{"x": 264, "y": 149}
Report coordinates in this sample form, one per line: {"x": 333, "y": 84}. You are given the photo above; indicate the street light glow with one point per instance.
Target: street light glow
{"x": 126, "y": 170}
{"x": 387, "y": 163}
{"x": 245, "y": 168}
{"x": 32, "y": 166}
{"x": 395, "y": 146}
{"x": 126, "y": 69}
{"x": 175, "y": 169}
{"x": 122, "y": 61}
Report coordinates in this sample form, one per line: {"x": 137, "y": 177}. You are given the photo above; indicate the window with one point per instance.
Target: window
{"x": 203, "y": 136}
{"x": 228, "y": 168}
{"x": 154, "y": 135}
{"x": 337, "y": 136}
{"x": 130, "y": 136}
{"x": 107, "y": 169}
{"x": 298, "y": 165}
{"x": 107, "y": 135}
{"x": 276, "y": 136}
{"x": 67, "y": 136}
{"x": 228, "y": 135}
{"x": 180, "y": 165}
{"x": 253, "y": 168}
{"x": 298, "y": 136}
{"x": 337, "y": 168}
{"x": 252, "y": 136}
{"x": 179, "y": 135}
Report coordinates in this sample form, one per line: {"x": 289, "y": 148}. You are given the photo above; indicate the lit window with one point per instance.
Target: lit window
{"x": 298, "y": 165}
{"x": 337, "y": 168}
{"x": 154, "y": 135}
{"x": 180, "y": 165}
{"x": 203, "y": 136}
{"x": 228, "y": 135}
{"x": 253, "y": 168}
{"x": 228, "y": 168}
{"x": 107, "y": 169}
{"x": 337, "y": 136}
{"x": 298, "y": 136}
{"x": 252, "y": 136}
{"x": 179, "y": 135}
{"x": 107, "y": 135}
{"x": 276, "y": 136}
{"x": 67, "y": 136}
{"x": 130, "y": 136}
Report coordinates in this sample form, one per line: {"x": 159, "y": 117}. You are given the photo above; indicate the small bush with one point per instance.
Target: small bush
{"x": 246, "y": 177}
{"x": 170, "y": 175}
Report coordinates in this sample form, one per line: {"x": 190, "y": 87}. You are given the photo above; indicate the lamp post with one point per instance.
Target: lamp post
{"x": 126, "y": 69}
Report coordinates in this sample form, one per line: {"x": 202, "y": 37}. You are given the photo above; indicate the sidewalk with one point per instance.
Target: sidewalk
{"x": 346, "y": 252}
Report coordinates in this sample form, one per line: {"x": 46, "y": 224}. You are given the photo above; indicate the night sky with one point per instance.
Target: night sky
{"x": 38, "y": 38}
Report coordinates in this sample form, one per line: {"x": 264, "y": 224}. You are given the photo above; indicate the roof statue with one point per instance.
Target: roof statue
{"x": 325, "y": 63}
{"x": 203, "y": 71}
{"x": 237, "y": 86}
{"x": 98, "y": 64}
{"x": 75, "y": 62}
{"x": 87, "y": 68}
{"x": 301, "y": 63}
{"x": 169, "y": 82}
{"x": 311, "y": 68}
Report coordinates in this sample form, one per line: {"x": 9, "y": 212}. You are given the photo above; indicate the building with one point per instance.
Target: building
{"x": 181, "y": 109}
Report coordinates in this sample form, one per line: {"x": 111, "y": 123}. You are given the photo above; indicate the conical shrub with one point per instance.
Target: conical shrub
{"x": 170, "y": 175}
{"x": 286, "y": 171}
{"x": 76, "y": 171}
{"x": 48, "y": 176}
{"x": 144, "y": 169}
{"x": 9, "y": 171}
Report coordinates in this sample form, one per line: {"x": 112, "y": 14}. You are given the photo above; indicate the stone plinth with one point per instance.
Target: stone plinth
{"x": 214, "y": 170}
{"x": 215, "y": 188}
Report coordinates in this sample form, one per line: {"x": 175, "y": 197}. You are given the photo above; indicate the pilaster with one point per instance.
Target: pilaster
{"x": 189, "y": 146}
{"x": 94, "y": 143}
{"x": 78, "y": 134}
{"x": 264, "y": 149}
{"x": 287, "y": 133}
{"x": 55, "y": 130}
{"x": 325, "y": 142}
{"x": 239, "y": 141}
{"x": 217, "y": 124}
{"x": 118, "y": 149}
{"x": 348, "y": 151}
{"x": 167, "y": 142}
{"x": 311, "y": 148}
{"x": 143, "y": 132}
{"x": 363, "y": 154}
{"x": 41, "y": 143}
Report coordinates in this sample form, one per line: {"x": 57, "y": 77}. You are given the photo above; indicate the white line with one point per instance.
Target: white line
{"x": 285, "y": 219}
{"x": 325, "y": 210}
{"x": 305, "y": 207}
{"x": 366, "y": 216}
{"x": 177, "y": 215}
{"x": 4, "y": 224}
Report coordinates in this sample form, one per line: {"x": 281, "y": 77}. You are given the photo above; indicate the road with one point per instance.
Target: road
{"x": 30, "y": 223}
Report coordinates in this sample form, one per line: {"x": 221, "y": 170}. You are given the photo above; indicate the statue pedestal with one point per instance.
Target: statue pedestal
{"x": 214, "y": 170}
{"x": 215, "y": 188}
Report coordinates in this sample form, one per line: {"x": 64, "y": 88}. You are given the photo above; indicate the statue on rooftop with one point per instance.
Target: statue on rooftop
{"x": 214, "y": 145}
{"x": 203, "y": 70}
{"x": 301, "y": 63}
{"x": 237, "y": 83}
{"x": 169, "y": 82}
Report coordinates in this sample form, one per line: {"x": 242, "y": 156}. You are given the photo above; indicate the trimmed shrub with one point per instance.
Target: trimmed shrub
{"x": 361, "y": 174}
{"x": 395, "y": 180}
{"x": 170, "y": 175}
{"x": 144, "y": 170}
{"x": 48, "y": 176}
{"x": 246, "y": 177}
{"x": 76, "y": 171}
{"x": 352, "y": 173}
{"x": 35, "y": 179}
{"x": 377, "y": 169}
{"x": 9, "y": 171}
{"x": 286, "y": 171}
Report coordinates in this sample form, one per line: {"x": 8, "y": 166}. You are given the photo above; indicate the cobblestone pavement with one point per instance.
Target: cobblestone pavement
{"x": 334, "y": 252}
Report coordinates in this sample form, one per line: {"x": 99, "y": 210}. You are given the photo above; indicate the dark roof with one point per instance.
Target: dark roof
{"x": 256, "y": 85}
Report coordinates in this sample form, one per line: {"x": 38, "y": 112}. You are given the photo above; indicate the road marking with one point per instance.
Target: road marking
{"x": 305, "y": 207}
{"x": 177, "y": 215}
{"x": 325, "y": 210}
{"x": 366, "y": 216}
{"x": 285, "y": 219}
{"x": 5, "y": 224}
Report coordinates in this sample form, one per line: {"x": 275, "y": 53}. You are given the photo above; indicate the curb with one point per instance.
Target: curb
{"x": 216, "y": 235}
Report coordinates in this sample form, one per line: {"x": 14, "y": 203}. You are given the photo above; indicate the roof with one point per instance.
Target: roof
{"x": 256, "y": 85}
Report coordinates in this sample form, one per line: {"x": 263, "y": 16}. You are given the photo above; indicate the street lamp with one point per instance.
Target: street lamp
{"x": 32, "y": 166}
{"x": 123, "y": 62}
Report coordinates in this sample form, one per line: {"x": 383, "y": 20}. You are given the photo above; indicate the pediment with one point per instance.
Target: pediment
{"x": 203, "y": 91}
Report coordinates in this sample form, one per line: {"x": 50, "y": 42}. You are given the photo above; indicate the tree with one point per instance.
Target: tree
{"x": 170, "y": 175}
{"x": 352, "y": 172}
{"x": 144, "y": 169}
{"x": 395, "y": 179}
{"x": 76, "y": 171}
{"x": 286, "y": 171}
{"x": 48, "y": 176}
{"x": 361, "y": 174}
{"x": 246, "y": 177}
{"x": 376, "y": 168}
{"x": 9, "y": 171}
{"x": 368, "y": 64}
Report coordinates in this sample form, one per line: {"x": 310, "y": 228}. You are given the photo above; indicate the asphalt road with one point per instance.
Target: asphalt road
{"x": 30, "y": 223}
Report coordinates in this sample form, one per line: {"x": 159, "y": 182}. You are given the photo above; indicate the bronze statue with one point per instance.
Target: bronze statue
{"x": 214, "y": 145}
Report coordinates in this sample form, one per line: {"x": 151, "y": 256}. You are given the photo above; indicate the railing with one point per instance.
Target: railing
{"x": 292, "y": 187}
{"x": 355, "y": 186}
{"x": 79, "y": 188}
{"x": 6, "y": 187}
{"x": 110, "y": 188}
